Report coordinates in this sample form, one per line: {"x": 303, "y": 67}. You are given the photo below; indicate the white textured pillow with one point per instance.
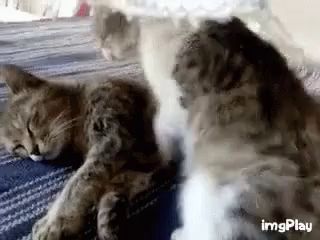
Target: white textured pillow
{"x": 181, "y": 8}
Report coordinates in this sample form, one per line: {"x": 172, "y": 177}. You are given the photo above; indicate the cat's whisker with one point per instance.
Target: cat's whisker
{"x": 63, "y": 127}
{"x": 66, "y": 123}
{"x": 60, "y": 115}
{"x": 61, "y": 130}
{"x": 56, "y": 135}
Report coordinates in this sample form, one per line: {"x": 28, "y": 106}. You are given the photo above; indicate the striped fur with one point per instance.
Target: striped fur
{"x": 108, "y": 122}
{"x": 253, "y": 132}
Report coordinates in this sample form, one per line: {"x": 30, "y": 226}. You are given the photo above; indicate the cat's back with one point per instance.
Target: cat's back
{"x": 132, "y": 94}
{"x": 126, "y": 103}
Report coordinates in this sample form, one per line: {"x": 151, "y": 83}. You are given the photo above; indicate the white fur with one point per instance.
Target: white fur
{"x": 213, "y": 184}
{"x": 204, "y": 208}
{"x": 36, "y": 158}
{"x": 160, "y": 41}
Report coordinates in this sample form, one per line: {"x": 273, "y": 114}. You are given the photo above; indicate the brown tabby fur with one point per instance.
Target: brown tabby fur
{"x": 254, "y": 130}
{"x": 109, "y": 122}
{"x": 247, "y": 107}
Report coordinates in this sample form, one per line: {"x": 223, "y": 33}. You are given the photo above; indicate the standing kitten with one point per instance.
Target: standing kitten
{"x": 253, "y": 136}
{"x": 110, "y": 123}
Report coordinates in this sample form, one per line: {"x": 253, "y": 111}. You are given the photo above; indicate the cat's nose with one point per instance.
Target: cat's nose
{"x": 35, "y": 154}
{"x": 35, "y": 150}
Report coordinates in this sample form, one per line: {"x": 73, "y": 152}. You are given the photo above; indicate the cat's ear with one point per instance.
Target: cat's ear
{"x": 18, "y": 79}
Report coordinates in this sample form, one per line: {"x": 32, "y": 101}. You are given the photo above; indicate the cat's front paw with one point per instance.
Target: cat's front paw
{"x": 111, "y": 216}
{"x": 57, "y": 228}
{"x": 45, "y": 230}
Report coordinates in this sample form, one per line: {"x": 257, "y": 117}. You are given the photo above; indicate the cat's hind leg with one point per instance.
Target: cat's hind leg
{"x": 113, "y": 206}
{"x": 111, "y": 216}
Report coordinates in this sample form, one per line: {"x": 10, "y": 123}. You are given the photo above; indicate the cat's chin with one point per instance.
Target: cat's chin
{"x": 36, "y": 158}
{"x": 48, "y": 157}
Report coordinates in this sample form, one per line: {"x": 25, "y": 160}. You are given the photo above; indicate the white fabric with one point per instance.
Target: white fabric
{"x": 182, "y": 8}
{"x": 8, "y": 14}
{"x": 256, "y": 13}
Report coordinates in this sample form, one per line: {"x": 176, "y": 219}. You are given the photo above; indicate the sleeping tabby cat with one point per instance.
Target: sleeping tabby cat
{"x": 109, "y": 122}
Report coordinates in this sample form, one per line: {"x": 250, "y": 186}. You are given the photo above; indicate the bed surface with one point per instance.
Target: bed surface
{"x": 65, "y": 49}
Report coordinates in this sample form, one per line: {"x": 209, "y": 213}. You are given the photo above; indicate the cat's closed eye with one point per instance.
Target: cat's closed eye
{"x": 20, "y": 150}
{"x": 29, "y": 130}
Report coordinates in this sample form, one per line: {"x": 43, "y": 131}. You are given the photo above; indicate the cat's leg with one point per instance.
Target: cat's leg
{"x": 66, "y": 216}
{"x": 113, "y": 205}
{"x": 164, "y": 137}
{"x": 125, "y": 187}
{"x": 169, "y": 130}
{"x": 111, "y": 216}
{"x": 130, "y": 183}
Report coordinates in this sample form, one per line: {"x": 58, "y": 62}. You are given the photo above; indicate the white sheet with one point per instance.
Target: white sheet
{"x": 182, "y": 8}
{"x": 256, "y": 13}
{"x": 8, "y": 14}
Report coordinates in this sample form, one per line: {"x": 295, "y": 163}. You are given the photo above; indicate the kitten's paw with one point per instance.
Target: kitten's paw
{"x": 177, "y": 234}
{"x": 45, "y": 230}
{"x": 53, "y": 229}
{"x": 111, "y": 215}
